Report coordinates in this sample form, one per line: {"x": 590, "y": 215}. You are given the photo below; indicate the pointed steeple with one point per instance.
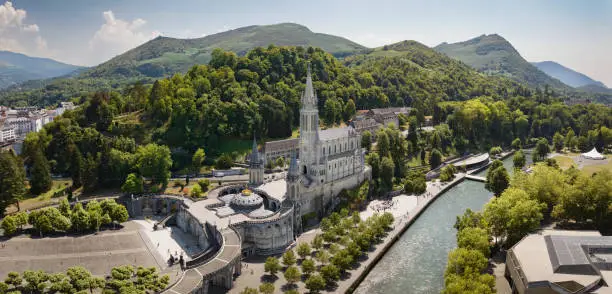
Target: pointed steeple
{"x": 309, "y": 97}
{"x": 254, "y": 152}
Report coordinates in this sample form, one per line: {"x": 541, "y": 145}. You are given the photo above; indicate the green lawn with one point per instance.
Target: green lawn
{"x": 591, "y": 169}
{"x": 46, "y": 198}
{"x": 229, "y": 145}
{"x": 564, "y": 161}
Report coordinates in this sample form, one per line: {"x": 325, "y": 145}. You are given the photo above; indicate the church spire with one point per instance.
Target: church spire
{"x": 254, "y": 152}
{"x": 309, "y": 97}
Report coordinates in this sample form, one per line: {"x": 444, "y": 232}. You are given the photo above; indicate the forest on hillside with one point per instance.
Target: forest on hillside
{"x": 151, "y": 131}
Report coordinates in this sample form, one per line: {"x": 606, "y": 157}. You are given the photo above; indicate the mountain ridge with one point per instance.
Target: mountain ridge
{"x": 494, "y": 55}
{"x": 16, "y": 68}
{"x": 566, "y": 75}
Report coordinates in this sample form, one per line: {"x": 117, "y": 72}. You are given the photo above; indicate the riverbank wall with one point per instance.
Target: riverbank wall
{"x": 398, "y": 232}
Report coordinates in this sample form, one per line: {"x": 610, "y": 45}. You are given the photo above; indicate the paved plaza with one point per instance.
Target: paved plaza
{"x": 169, "y": 240}
{"x": 399, "y": 206}
{"x": 98, "y": 253}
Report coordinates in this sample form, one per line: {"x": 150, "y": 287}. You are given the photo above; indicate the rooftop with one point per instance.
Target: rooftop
{"x": 335, "y": 133}
{"x": 566, "y": 258}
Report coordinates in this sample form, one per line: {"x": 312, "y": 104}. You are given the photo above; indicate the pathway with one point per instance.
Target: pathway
{"x": 405, "y": 209}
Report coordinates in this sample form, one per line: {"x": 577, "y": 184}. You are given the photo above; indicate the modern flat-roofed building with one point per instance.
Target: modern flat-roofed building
{"x": 561, "y": 262}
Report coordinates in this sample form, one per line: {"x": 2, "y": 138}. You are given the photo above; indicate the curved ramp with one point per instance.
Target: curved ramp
{"x": 228, "y": 254}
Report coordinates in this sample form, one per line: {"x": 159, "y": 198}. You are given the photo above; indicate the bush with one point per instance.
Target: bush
{"x": 204, "y": 184}
{"x": 435, "y": 158}
{"x": 447, "y": 173}
{"x": 495, "y": 151}
{"x": 196, "y": 191}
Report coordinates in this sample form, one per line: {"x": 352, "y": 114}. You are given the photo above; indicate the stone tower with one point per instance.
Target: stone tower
{"x": 293, "y": 192}
{"x": 256, "y": 167}
{"x": 309, "y": 131}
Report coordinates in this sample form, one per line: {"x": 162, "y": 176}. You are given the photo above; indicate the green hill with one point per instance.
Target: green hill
{"x": 413, "y": 72}
{"x": 494, "y": 55}
{"x": 16, "y": 68}
{"x": 165, "y": 56}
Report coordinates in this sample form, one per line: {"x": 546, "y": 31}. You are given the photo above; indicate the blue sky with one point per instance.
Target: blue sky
{"x": 577, "y": 34}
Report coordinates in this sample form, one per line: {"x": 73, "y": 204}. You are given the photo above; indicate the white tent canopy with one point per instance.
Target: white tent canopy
{"x": 593, "y": 154}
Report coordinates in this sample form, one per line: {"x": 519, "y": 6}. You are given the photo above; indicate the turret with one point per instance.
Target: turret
{"x": 256, "y": 166}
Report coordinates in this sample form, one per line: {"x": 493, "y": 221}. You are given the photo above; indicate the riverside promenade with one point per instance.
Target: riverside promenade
{"x": 401, "y": 224}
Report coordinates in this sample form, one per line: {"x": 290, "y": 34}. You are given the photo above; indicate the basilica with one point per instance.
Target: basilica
{"x": 263, "y": 216}
{"x": 327, "y": 162}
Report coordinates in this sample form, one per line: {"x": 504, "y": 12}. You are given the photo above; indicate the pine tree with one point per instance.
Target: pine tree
{"x": 40, "y": 175}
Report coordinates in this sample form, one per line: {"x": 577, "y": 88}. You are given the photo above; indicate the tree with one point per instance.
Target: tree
{"x": 79, "y": 218}
{"x": 197, "y": 160}
{"x": 519, "y": 159}
{"x": 387, "y": 168}
{"x": 8, "y": 225}
{"x": 495, "y": 151}
{"x": 316, "y": 282}
{"x": 471, "y": 283}
{"x": 90, "y": 173}
{"x": 196, "y": 191}
{"x": 497, "y": 180}
{"x": 330, "y": 273}
{"x": 558, "y": 142}
{"x": 366, "y": 140}
{"x": 40, "y": 174}
{"x": 289, "y": 258}
{"x": 332, "y": 111}
{"x": 36, "y": 281}
{"x": 12, "y": 180}
{"x": 13, "y": 279}
{"x": 225, "y": 161}
{"x": 119, "y": 214}
{"x": 303, "y": 250}
{"x": 541, "y": 150}
{"x": 569, "y": 139}
{"x": 383, "y": 143}
{"x": 64, "y": 207}
{"x": 470, "y": 219}
{"x": 463, "y": 261}
{"x": 308, "y": 266}
{"x": 76, "y": 165}
{"x": 81, "y": 279}
{"x": 435, "y": 158}
{"x": 249, "y": 290}
{"x": 322, "y": 256}
{"x": 373, "y": 160}
{"x": 517, "y": 144}
{"x": 342, "y": 259}
{"x": 272, "y": 265}
{"x": 474, "y": 238}
{"x": 317, "y": 242}
{"x": 154, "y": 161}
{"x": 280, "y": 162}
{"x": 349, "y": 110}
{"x": 132, "y": 184}
{"x": 292, "y": 274}
{"x": 266, "y": 288}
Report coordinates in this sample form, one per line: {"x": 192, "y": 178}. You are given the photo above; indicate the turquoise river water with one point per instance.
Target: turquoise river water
{"x": 416, "y": 262}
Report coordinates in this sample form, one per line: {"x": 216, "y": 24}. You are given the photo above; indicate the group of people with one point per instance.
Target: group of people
{"x": 386, "y": 204}
{"x": 172, "y": 260}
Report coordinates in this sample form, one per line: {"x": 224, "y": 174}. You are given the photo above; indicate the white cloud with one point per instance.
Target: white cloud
{"x": 31, "y": 28}
{"x": 116, "y": 36}
{"x": 18, "y": 36}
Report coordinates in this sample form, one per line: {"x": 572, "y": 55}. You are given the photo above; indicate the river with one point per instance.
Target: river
{"x": 416, "y": 262}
